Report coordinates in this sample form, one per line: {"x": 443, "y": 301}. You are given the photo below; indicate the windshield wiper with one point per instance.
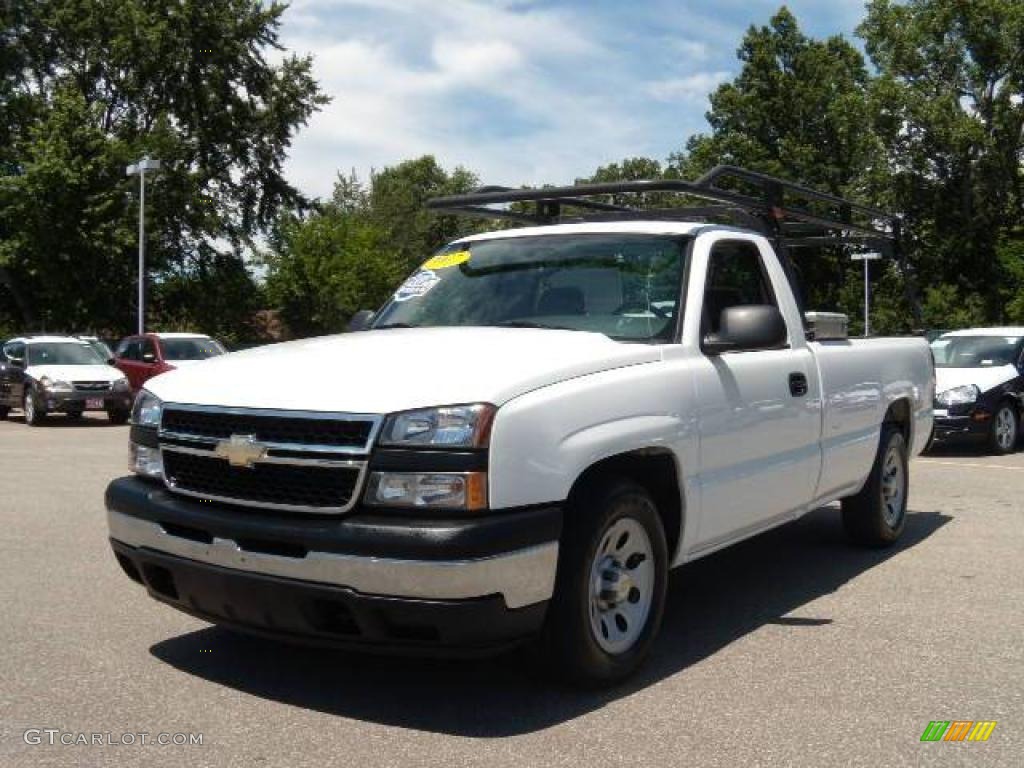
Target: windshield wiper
{"x": 533, "y": 324}
{"x": 388, "y": 326}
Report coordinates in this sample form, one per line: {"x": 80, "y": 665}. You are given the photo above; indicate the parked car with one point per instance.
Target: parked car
{"x": 980, "y": 386}
{"x": 530, "y": 433}
{"x": 60, "y": 374}
{"x": 143, "y": 357}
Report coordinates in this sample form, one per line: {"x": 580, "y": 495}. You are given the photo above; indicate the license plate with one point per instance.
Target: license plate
{"x": 94, "y": 403}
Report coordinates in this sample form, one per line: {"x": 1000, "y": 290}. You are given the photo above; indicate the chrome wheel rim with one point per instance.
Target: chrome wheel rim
{"x": 621, "y": 585}
{"x": 894, "y": 485}
{"x": 1006, "y": 429}
{"x": 30, "y": 408}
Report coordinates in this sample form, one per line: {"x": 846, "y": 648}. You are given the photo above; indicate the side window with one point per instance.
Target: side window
{"x": 148, "y": 348}
{"x": 736, "y": 277}
{"x": 131, "y": 350}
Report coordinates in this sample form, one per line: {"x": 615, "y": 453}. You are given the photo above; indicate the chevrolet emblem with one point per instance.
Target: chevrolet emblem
{"x": 241, "y": 450}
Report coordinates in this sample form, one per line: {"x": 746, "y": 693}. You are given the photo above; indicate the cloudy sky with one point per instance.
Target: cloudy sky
{"x": 521, "y": 91}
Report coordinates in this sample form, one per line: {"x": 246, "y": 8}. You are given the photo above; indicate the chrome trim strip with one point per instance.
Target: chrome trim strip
{"x": 522, "y": 577}
{"x": 357, "y": 489}
{"x": 297, "y": 461}
{"x": 375, "y": 420}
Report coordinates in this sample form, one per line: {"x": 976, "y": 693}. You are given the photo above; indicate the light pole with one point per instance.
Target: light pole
{"x": 866, "y": 258}
{"x": 140, "y": 168}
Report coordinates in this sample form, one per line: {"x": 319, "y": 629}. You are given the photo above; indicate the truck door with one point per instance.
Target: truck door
{"x": 759, "y": 411}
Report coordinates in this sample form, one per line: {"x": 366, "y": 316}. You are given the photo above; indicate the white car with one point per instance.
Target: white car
{"x": 980, "y": 386}
{"x": 536, "y": 427}
{"x": 60, "y": 374}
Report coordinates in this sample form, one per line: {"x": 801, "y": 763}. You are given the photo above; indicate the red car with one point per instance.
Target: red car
{"x": 141, "y": 358}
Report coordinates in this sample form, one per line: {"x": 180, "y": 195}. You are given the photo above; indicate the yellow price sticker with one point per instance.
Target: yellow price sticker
{"x": 443, "y": 260}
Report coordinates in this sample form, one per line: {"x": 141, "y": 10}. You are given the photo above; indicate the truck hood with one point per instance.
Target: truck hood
{"x": 983, "y": 378}
{"x": 399, "y": 369}
{"x": 75, "y": 372}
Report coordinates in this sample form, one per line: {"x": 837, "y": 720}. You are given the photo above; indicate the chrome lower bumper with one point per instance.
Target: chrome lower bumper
{"x": 522, "y": 577}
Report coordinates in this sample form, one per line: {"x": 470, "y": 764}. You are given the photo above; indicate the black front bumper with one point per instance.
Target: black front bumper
{"x": 324, "y": 614}
{"x": 967, "y": 426}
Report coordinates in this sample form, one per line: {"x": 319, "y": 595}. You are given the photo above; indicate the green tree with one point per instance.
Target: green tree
{"x": 328, "y": 266}
{"x": 948, "y": 103}
{"x": 94, "y": 84}
{"x": 802, "y": 109}
{"x": 396, "y": 207}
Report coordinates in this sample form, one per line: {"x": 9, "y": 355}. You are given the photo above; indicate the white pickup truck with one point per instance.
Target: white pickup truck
{"x": 536, "y": 427}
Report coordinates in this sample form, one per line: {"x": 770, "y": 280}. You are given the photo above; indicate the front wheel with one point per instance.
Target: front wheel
{"x": 1002, "y": 436}
{"x": 33, "y": 416}
{"x": 877, "y": 515}
{"x": 611, "y": 583}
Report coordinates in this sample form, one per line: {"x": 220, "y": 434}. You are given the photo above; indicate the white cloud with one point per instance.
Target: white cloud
{"x": 692, "y": 88}
{"x": 521, "y": 92}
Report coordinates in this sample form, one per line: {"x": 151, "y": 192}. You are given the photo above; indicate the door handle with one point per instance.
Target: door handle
{"x": 797, "y": 384}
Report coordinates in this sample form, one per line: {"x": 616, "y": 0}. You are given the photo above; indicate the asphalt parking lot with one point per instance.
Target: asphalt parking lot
{"x": 790, "y": 649}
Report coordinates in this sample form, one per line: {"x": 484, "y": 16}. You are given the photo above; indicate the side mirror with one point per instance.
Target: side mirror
{"x": 361, "y": 320}
{"x": 747, "y": 328}
{"x": 148, "y": 357}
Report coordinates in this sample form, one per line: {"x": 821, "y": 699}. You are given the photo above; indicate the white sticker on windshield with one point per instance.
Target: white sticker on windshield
{"x": 417, "y": 285}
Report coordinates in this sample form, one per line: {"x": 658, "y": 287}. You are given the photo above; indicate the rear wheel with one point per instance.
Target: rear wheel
{"x": 877, "y": 515}
{"x": 33, "y": 416}
{"x": 611, "y": 583}
{"x": 1002, "y": 438}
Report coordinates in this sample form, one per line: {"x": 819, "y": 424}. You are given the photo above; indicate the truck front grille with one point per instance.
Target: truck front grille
{"x": 281, "y": 486}
{"x": 290, "y": 460}
{"x": 276, "y": 427}
{"x": 91, "y": 386}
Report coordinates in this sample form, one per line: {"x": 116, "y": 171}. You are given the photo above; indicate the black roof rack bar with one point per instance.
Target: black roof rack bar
{"x": 686, "y": 213}
{"x": 772, "y": 205}
{"x": 732, "y": 171}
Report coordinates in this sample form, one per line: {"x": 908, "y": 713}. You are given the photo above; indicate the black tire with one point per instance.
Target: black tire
{"x": 1005, "y": 429}
{"x": 569, "y": 636}
{"x": 4, "y": 412}
{"x": 34, "y": 416}
{"x": 118, "y": 417}
{"x": 872, "y": 517}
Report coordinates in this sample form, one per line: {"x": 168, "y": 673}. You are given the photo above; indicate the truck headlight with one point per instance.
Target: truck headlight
{"x": 428, "y": 490}
{"x": 959, "y": 395}
{"x": 452, "y": 426}
{"x": 147, "y": 410}
{"x": 55, "y": 385}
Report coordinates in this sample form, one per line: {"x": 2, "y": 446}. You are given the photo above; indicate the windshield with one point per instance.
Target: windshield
{"x": 62, "y": 353}
{"x": 198, "y": 348}
{"x": 101, "y": 349}
{"x": 976, "y": 351}
{"x": 622, "y": 285}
